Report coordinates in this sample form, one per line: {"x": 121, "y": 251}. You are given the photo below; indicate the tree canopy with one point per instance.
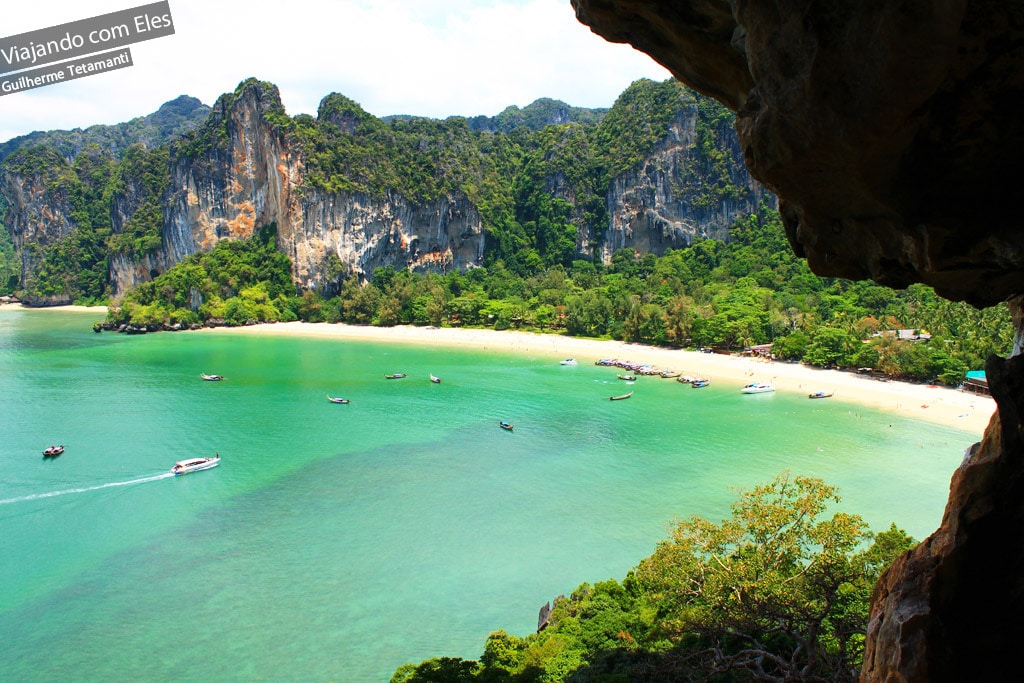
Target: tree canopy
{"x": 777, "y": 591}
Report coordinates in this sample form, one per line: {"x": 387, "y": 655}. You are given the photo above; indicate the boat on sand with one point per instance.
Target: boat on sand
{"x": 820, "y": 394}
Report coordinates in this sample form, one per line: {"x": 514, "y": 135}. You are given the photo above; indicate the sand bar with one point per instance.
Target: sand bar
{"x": 941, "y": 405}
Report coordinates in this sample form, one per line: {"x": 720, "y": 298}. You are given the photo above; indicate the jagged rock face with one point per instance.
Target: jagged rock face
{"x": 255, "y": 178}
{"x": 226, "y": 193}
{"x": 38, "y": 216}
{"x": 884, "y": 128}
{"x": 887, "y": 132}
{"x": 243, "y": 169}
{"x": 367, "y": 233}
{"x": 949, "y": 609}
{"x": 659, "y": 206}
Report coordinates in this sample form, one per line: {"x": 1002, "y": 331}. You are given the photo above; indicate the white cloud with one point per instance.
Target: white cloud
{"x": 427, "y": 57}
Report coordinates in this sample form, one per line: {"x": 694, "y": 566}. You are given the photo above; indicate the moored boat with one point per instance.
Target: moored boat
{"x": 337, "y": 399}
{"x": 820, "y": 394}
{"x": 569, "y": 361}
{"x": 195, "y": 464}
{"x": 619, "y": 398}
{"x": 397, "y": 375}
{"x": 669, "y": 374}
{"x": 628, "y": 378}
{"x": 700, "y": 383}
{"x": 506, "y": 425}
{"x": 53, "y": 451}
{"x": 212, "y": 378}
{"x": 757, "y": 388}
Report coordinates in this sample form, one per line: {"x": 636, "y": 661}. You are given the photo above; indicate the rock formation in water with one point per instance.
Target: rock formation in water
{"x": 349, "y": 191}
{"x": 888, "y": 132}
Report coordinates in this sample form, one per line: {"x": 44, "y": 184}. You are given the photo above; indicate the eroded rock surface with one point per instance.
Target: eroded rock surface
{"x": 889, "y": 132}
{"x": 886, "y": 129}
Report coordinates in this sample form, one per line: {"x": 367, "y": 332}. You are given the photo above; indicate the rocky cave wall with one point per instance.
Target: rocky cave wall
{"x": 889, "y": 133}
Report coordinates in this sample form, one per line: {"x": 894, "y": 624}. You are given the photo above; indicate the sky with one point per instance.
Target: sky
{"x": 433, "y": 58}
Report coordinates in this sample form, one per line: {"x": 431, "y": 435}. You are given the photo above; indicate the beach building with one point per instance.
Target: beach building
{"x": 762, "y": 350}
{"x": 975, "y": 382}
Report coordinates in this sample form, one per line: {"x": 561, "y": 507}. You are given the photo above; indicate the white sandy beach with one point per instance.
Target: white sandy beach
{"x": 98, "y": 310}
{"x": 935, "y": 404}
{"x": 941, "y": 405}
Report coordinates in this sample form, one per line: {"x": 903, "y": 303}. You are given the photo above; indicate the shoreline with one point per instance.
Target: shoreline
{"x": 63, "y": 308}
{"x": 935, "y": 404}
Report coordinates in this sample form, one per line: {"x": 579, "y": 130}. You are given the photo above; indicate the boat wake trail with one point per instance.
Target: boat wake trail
{"x": 51, "y": 494}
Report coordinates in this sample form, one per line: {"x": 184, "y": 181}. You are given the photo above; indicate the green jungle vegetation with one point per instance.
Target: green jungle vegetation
{"x": 746, "y": 290}
{"x": 175, "y": 118}
{"x": 504, "y": 173}
{"x": 725, "y": 295}
{"x": 10, "y": 268}
{"x": 779, "y": 591}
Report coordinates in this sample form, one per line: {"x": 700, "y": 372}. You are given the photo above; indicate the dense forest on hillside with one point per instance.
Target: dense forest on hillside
{"x": 727, "y": 295}
{"x": 175, "y": 118}
{"x": 540, "y": 190}
{"x": 536, "y": 189}
{"x": 779, "y": 591}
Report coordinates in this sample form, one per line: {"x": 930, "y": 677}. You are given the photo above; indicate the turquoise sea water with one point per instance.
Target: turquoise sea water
{"x": 337, "y": 542}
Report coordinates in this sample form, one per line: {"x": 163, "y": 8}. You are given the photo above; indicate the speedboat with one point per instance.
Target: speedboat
{"x": 569, "y": 361}
{"x": 505, "y": 425}
{"x": 53, "y": 451}
{"x": 757, "y": 388}
{"x": 211, "y": 378}
{"x": 397, "y": 375}
{"x": 194, "y": 465}
{"x": 435, "y": 380}
{"x": 337, "y": 399}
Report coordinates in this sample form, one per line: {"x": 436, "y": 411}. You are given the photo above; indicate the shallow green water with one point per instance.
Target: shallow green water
{"x": 336, "y": 542}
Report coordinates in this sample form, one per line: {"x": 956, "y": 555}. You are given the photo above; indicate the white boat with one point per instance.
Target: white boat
{"x": 435, "y": 379}
{"x": 211, "y": 378}
{"x": 757, "y": 388}
{"x": 569, "y": 361}
{"x": 194, "y": 465}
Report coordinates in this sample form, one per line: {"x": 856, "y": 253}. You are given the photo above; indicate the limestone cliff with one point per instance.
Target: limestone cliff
{"x": 38, "y": 216}
{"x": 669, "y": 199}
{"x": 348, "y": 190}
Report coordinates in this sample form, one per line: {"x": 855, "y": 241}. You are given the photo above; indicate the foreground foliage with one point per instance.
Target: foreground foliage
{"x": 779, "y": 591}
